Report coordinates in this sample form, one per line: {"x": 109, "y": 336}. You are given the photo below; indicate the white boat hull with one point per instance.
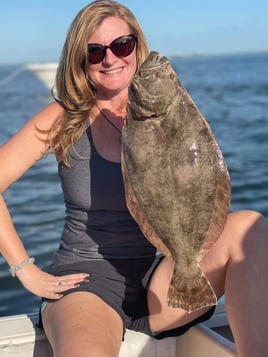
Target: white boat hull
{"x": 19, "y": 336}
{"x": 45, "y": 72}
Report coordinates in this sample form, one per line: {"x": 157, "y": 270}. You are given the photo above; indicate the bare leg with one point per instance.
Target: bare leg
{"x": 236, "y": 265}
{"x": 246, "y": 288}
{"x": 81, "y": 324}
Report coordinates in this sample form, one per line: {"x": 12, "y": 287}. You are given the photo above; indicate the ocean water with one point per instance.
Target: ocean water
{"x": 232, "y": 93}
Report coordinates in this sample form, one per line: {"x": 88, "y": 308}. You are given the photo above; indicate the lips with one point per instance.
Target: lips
{"x": 113, "y": 71}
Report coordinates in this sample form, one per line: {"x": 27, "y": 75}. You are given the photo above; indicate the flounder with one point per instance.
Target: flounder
{"x": 176, "y": 180}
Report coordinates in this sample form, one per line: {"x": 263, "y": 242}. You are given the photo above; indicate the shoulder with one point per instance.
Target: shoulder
{"x": 27, "y": 146}
{"x": 47, "y": 116}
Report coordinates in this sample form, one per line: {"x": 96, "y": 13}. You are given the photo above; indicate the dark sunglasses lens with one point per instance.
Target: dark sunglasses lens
{"x": 96, "y": 53}
{"x": 123, "y": 46}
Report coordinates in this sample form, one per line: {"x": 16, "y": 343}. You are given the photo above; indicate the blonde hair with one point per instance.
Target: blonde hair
{"x": 74, "y": 90}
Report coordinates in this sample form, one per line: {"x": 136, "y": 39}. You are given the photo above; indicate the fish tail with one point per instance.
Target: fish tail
{"x": 192, "y": 293}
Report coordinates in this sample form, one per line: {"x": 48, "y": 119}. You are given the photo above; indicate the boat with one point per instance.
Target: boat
{"x": 20, "y": 335}
{"x": 45, "y": 72}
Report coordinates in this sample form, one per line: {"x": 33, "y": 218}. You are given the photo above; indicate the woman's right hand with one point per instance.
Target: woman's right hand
{"x": 46, "y": 285}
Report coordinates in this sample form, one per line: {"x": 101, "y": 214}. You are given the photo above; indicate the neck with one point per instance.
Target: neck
{"x": 117, "y": 106}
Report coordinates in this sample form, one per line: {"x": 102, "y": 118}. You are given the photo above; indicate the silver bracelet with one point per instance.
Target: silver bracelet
{"x": 14, "y": 268}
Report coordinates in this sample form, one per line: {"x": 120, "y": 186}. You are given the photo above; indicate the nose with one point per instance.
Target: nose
{"x": 109, "y": 56}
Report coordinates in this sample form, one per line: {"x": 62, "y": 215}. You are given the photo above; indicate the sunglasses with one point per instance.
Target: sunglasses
{"x": 121, "y": 47}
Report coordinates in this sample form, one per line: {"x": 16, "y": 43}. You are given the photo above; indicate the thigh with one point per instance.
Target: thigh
{"x": 82, "y": 324}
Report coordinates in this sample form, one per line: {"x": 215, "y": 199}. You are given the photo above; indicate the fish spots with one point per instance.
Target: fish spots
{"x": 172, "y": 76}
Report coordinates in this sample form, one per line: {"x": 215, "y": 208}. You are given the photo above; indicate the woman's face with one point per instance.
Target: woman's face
{"x": 113, "y": 74}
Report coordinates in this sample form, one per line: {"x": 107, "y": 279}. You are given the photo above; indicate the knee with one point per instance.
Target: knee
{"x": 246, "y": 228}
{"x": 246, "y": 221}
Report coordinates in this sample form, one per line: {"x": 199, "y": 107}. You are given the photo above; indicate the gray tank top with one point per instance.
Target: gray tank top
{"x": 98, "y": 224}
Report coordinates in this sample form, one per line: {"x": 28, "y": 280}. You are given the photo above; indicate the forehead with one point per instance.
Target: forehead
{"x": 109, "y": 29}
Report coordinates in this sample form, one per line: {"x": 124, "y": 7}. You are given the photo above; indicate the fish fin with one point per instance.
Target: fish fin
{"x": 159, "y": 132}
{"x": 191, "y": 294}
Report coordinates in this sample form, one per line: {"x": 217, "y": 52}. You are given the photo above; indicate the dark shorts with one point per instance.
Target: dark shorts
{"x": 123, "y": 284}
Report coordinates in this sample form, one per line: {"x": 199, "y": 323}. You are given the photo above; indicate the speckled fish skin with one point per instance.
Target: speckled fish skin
{"x": 176, "y": 181}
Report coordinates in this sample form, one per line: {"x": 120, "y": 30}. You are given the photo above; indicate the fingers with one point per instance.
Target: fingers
{"x": 56, "y": 285}
{"x": 81, "y": 277}
{"x": 70, "y": 281}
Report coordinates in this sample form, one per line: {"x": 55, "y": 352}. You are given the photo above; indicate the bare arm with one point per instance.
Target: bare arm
{"x": 16, "y": 157}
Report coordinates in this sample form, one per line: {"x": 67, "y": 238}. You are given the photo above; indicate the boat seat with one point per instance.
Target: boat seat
{"x": 19, "y": 336}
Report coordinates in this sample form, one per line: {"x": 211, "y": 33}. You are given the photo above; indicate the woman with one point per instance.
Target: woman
{"x": 105, "y": 276}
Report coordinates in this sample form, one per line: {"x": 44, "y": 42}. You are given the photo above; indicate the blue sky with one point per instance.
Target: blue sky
{"x": 34, "y": 30}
